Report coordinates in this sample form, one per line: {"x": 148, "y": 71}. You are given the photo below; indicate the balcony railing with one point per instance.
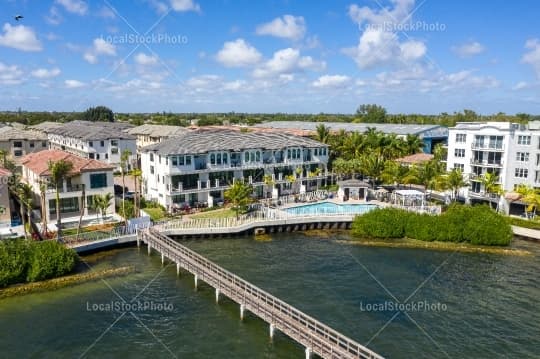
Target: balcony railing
{"x": 487, "y": 163}
{"x": 72, "y": 188}
{"x": 487, "y": 146}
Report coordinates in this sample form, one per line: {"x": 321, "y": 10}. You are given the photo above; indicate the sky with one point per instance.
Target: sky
{"x": 410, "y": 56}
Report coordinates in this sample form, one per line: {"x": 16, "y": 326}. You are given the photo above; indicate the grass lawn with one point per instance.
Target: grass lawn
{"x": 156, "y": 214}
{"x": 218, "y": 213}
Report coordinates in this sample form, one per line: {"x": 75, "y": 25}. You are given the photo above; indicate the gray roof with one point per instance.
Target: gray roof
{"x": 46, "y": 126}
{"x": 353, "y": 183}
{"x": 398, "y": 129}
{"x": 9, "y": 133}
{"x": 195, "y": 142}
{"x": 92, "y": 131}
{"x": 157, "y": 130}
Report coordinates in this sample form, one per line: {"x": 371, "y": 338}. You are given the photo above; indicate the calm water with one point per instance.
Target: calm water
{"x": 485, "y": 306}
{"x": 330, "y": 207}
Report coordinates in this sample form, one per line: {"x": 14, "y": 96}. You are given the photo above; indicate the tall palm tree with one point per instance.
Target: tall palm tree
{"x": 428, "y": 173}
{"x": 239, "y": 194}
{"x": 124, "y": 159}
{"x": 43, "y": 202}
{"x": 322, "y": 133}
{"x": 454, "y": 181}
{"x": 530, "y": 197}
{"x": 59, "y": 172}
{"x": 490, "y": 182}
{"x": 101, "y": 203}
{"x": 372, "y": 166}
{"x": 414, "y": 144}
{"x": 24, "y": 193}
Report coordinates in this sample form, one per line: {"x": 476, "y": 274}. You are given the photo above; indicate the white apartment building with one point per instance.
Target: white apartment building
{"x": 509, "y": 150}
{"x": 17, "y": 142}
{"x": 102, "y": 141}
{"x": 96, "y": 177}
{"x": 200, "y": 165}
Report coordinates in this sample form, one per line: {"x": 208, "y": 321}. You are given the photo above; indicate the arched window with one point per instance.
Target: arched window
{"x": 213, "y": 159}
{"x": 288, "y": 153}
{"x": 219, "y": 158}
{"x": 225, "y": 158}
{"x": 258, "y": 156}
{"x": 246, "y": 157}
{"x": 252, "y": 157}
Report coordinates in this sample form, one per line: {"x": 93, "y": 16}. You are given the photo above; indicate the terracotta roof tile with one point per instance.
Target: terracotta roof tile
{"x": 38, "y": 162}
{"x": 417, "y": 158}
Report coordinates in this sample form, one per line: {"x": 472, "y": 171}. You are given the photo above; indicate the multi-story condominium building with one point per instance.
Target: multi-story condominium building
{"x": 94, "y": 177}
{"x": 509, "y": 150}
{"x": 18, "y": 142}
{"x": 102, "y": 141}
{"x": 150, "y": 134}
{"x": 201, "y": 165}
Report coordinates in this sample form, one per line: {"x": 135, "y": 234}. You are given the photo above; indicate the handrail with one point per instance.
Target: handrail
{"x": 322, "y": 339}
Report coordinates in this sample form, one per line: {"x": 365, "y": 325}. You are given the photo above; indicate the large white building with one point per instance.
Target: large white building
{"x": 149, "y": 134}
{"x": 200, "y": 165}
{"x": 102, "y": 141}
{"x": 509, "y": 150}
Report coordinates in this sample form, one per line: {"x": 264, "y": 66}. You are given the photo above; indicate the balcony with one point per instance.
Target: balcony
{"x": 487, "y": 163}
{"x": 498, "y": 147}
{"x": 67, "y": 189}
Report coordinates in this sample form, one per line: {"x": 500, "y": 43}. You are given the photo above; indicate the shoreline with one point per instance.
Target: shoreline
{"x": 61, "y": 282}
{"x": 439, "y": 246}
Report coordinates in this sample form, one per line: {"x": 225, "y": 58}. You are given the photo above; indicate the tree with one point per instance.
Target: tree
{"x": 396, "y": 173}
{"x": 413, "y": 144}
{"x": 99, "y": 113}
{"x": 239, "y": 194}
{"x": 137, "y": 174}
{"x": 428, "y": 173}
{"x": 43, "y": 202}
{"x": 322, "y": 133}
{"x": 371, "y": 113}
{"x": 83, "y": 205}
{"x": 491, "y": 186}
{"x": 59, "y": 172}
{"x": 268, "y": 182}
{"x": 453, "y": 181}
{"x": 101, "y": 203}
{"x": 372, "y": 165}
{"x": 124, "y": 160}
{"x": 530, "y": 197}
{"x": 25, "y": 193}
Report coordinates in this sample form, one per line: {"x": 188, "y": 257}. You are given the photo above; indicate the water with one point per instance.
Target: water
{"x": 331, "y": 208}
{"x": 492, "y": 304}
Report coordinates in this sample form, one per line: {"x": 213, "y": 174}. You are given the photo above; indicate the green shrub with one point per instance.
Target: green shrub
{"x": 476, "y": 225}
{"x": 23, "y": 261}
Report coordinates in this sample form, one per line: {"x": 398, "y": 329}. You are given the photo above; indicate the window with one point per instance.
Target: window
{"x": 32, "y": 145}
{"x": 522, "y": 156}
{"x": 218, "y": 159}
{"x": 102, "y": 143}
{"x": 17, "y": 144}
{"x": 98, "y": 180}
{"x": 106, "y": 156}
{"x": 97, "y": 156}
{"x": 459, "y": 152}
{"x": 246, "y": 157}
{"x": 114, "y": 142}
{"x": 225, "y": 158}
{"x": 181, "y": 160}
{"x": 159, "y": 159}
{"x": 175, "y": 161}
{"x": 91, "y": 156}
{"x": 151, "y": 169}
{"x": 524, "y": 140}
{"x": 461, "y": 137}
{"x": 459, "y": 166}
{"x": 114, "y": 151}
{"x": 188, "y": 160}
{"x": 258, "y": 156}
{"x": 213, "y": 159}
{"x": 43, "y": 143}
{"x": 91, "y": 144}
{"x": 17, "y": 153}
{"x": 67, "y": 205}
{"x": 316, "y": 152}
{"x": 151, "y": 157}
{"x": 521, "y": 173}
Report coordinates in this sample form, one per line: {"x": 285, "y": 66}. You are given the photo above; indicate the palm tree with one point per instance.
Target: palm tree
{"x": 137, "y": 174}
{"x": 395, "y": 173}
{"x": 83, "y": 205}
{"x": 413, "y": 144}
{"x": 59, "y": 172}
{"x": 24, "y": 192}
{"x": 322, "y": 133}
{"x": 428, "y": 173}
{"x": 372, "y": 166}
{"x": 454, "y": 181}
{"x": 530, "y": 197}
{"x": 124, "y": 158}
{"x": 43, "y": 202}
{"x": 101, "y": 203}
{"x": 490, "y": 182}
{"x": 239, "y": 194}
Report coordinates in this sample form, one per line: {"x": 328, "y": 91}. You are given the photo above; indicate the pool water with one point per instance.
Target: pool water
{"x": 330, "y": 207}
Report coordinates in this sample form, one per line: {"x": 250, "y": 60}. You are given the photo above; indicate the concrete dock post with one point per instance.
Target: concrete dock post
{"x": 308, "y": 353}
{"x": 149, "y": 249}
{"x": 242, "y": 308}
{"x": 162, "y": 258}
{"x": 217, "y": 295}
{"x": 272, "y": 331}
{"x": 177, "y": 269}
{"x": 196, "y": 280}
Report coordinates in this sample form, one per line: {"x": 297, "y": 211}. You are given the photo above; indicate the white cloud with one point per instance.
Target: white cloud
{"x": 532, "y": 57}
{"x": 185, "y": 5}
{"x": 10, "y": 74}
{"x": 331, "y": 81}
{"x": 78, "y": 7}
{"x": 160, "y": 7}
{"x": 203, "y": 82}
{"x": 238, "y": 53}
{"x": 467, "y": 79}
{"x": 412, "y": 50}
{"x": 20, "y": 37}
{"x": 99, "y": 47}
{"x": 520, "y": 86}
{"x": 469, "y": 49}
{"x": 72, "y": 84}
{"x": 385, "y": 16}
{"x": 145, "y": 60}
{"x": 234, "y": 85}
{"x": 106, "y": 13}
{"x": 285, "y": 63}
{"x": 288, "y": 27}
{"x": 46, "y": 73}
{"x": 54, "y": 17}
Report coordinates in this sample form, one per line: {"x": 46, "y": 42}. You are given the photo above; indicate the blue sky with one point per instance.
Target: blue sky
{"x": 410, "y": 56}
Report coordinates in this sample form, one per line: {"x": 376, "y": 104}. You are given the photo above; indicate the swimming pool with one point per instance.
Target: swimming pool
{"x": 331, "y": 208}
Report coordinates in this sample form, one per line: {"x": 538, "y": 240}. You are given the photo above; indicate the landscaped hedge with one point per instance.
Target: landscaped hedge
{"x": 460, "y": 223}
{"x": 23, "y": 261}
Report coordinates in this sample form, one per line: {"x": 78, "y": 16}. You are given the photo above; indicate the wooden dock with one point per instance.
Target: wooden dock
{"x": 316, "y": 337}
